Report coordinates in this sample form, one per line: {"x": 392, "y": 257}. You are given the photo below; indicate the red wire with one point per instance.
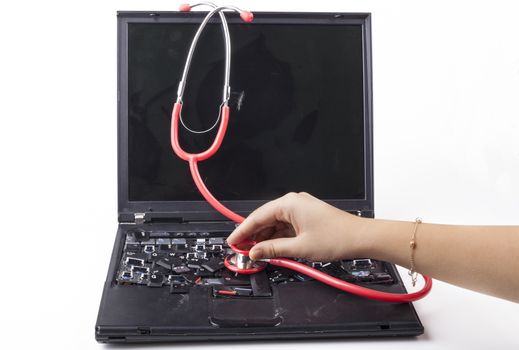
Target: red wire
{"x": 227, "y": 292}
{"x": 290, "y": 264}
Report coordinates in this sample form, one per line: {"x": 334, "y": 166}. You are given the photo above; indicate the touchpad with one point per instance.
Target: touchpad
{"x": 243, "y": 312}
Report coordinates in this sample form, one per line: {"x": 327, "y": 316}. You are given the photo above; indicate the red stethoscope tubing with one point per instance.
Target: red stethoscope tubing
{"x": 194, "y": 158}
{"x": 287, "y": 263}
{"x": 350, "y": 287}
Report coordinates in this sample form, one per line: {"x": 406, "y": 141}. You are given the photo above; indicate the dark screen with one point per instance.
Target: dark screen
{"x": 297, "y": 113}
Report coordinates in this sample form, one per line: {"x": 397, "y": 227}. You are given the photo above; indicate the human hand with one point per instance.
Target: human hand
{"x": 299, "y": 225}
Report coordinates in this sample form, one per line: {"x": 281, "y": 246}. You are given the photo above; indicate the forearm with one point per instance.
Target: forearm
{"x": 481, "y": 258}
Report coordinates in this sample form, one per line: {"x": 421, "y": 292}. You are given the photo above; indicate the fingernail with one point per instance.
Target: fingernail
{"x": 256, "y": 253}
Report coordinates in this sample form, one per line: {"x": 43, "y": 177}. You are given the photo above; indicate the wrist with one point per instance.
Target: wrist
{"x": 386, "y": 240}
{"x": 364, "y": 242}
{"x": 355, "y": 236}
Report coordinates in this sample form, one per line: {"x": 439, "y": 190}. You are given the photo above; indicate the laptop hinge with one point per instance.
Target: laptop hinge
{"x": 142, "y": 218}
{"x": 139, "y": 218}
{"x": 363, "y": 213}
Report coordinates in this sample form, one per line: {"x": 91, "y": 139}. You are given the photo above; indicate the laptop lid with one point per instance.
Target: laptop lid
{"x": 301, "y": 112}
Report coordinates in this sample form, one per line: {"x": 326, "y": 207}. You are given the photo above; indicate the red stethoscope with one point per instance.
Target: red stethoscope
{"x": 240, "y": 262}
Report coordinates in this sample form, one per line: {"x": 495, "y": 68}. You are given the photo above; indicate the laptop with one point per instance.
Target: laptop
{"x": 301, "y": 120}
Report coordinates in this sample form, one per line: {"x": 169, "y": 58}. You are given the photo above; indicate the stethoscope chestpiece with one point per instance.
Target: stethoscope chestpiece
{"x": 240, "y": 261}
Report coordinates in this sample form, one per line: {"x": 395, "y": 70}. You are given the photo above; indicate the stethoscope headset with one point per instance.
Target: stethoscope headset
{"x": 240, "y": 262}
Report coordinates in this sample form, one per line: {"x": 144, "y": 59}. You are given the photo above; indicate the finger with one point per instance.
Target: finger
{"x": 283, "y": 233}
{"x": 272, "y": 235}
{"x": 265, "y": 216}
{"x": 280, "y": 230}
{"x": 264, "y": 234}
{"x": 306, "y": 194}
{"x": 273, "y": 248}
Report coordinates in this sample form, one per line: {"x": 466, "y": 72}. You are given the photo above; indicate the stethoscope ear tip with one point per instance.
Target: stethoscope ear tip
{"x": 247, "y": 16}
{"x": 184, "y": 8}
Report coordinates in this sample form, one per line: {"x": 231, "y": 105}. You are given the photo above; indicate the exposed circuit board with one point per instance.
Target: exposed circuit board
{"x": 181, "y": 260}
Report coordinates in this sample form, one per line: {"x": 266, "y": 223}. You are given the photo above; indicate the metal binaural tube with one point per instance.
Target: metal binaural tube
{"x": 226, "y": 88}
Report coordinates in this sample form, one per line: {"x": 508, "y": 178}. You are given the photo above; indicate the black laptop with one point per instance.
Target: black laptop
{"x": 301, "y": 120}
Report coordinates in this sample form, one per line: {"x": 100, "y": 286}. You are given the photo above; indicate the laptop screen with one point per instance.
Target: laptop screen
{"x": 296, "y": 120}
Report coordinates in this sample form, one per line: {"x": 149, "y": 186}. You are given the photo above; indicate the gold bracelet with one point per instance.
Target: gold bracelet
{"x": 412, "y": 245}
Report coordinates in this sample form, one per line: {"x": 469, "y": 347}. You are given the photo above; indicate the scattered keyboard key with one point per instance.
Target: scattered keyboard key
{"x": 182, "y": 260}
{"x": 213, "y": 265}
{"x": 165, "y": 263}
{"x": 181, "y": 269}
{"x": 156, "y": 280}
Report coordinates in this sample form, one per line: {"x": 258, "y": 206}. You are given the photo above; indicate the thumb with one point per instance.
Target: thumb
{"x": 274, "y": 248}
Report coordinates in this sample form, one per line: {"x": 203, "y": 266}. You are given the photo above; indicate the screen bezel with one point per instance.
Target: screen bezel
{"x": 200, "y": 210}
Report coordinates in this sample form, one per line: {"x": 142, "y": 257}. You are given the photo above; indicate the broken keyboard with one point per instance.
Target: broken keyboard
{"x": 181, "y": 260}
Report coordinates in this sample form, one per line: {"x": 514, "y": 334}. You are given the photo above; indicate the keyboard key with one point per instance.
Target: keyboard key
{"x": 133, "y": 247}
{"x": 130, "y": 238}
{"x": 216, "y": 248}
{"x": 213, "y": 265}
{"x": 178, "y": 279}
{"x": 175, "y": 261}
{"x": 155, "y": 280}
{"x": 193, "y": 264}
{"x": 181, "y": 269}
{"x": 201, "y": 272}
{"x": 127, "y": 275}
{"x": 134, "y": 258}
{"x": 216, "y": 240}
{"x": 139, "y": 235}
{"x": 140, "y": 269}
{"x": 156, "y": 256}
{"x": 134, "y": 261}
{"x": 166, "y": 248}
{"x": 159, "y": 234}
{"x": 166, "y": 241}
{"x": 149, "y": 248}
{"x": 165, "y": 263}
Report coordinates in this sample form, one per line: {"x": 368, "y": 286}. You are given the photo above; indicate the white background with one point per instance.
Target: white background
{"x": 446, "y": 114}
